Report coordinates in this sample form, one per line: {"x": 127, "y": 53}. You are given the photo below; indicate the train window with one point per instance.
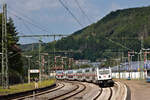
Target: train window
{"x": 59, "y": 72}
{"x": 79, "y": 76}
{"x": 87, "y": 70}
{"x": 70, "y": 72}
{"x": 104, "y": 72}
{"x": 80, "y": 71}
{"x": 70, "y": 76}
{"x": 93, "y": 69}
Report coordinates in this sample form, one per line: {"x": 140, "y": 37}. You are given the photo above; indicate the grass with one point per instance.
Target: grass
{"x": 25, "y": 87}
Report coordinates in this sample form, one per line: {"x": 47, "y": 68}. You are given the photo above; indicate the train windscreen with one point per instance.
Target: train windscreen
{"x": 79, "y": 71}
{"x": 70, "y": 72}
{"x": 59, "y": 72}
{"x": 104, "y": 72}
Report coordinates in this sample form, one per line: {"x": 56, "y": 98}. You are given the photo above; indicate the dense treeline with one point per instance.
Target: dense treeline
{"x": 123, "y": 27}
{"x": 16, "y": 71}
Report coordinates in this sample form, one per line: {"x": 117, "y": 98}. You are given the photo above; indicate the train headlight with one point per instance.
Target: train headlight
{"x": 99, "y": 76}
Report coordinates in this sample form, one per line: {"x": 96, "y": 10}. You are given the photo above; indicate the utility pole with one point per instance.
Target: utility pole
{"x": 55, "y": 58}
{"x": 117, "y": 60}
{"x": 40, "y": 59}
{"x": 43, "y": 68}
{"x": 29, "y": 67}
{"x": 141, "y": 58}
{"x": 54, "y": 46}
{"x": 130, "y": 55}
{"x": 5, "y": 79}
{"x": 63, "y": 64}
{"x": 52, "y": 35}
{"x": 32, "y": 47}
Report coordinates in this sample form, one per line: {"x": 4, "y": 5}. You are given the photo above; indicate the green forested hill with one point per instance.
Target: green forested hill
{"x": 118, "y": 31}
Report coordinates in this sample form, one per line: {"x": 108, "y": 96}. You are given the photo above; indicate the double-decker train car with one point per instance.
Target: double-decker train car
{"x": 60, "y": 74}
{"x": 71, "y": 74}
{"x": 88, "y": 74}
{"x": 80, "y": 75}
{"x": 100, "y": 76}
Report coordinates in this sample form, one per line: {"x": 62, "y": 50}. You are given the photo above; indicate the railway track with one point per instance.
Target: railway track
{"x": 118, "y": 92}
{"x": 80, "y": 88}
{"x": 104, "y": 94}
{"x": 59, "y": 86}
{"x": 111, "y": 92}
{"x": 62, "y": 92}
{"x": 98, "y": 95}
{"x": 71, "y": 89}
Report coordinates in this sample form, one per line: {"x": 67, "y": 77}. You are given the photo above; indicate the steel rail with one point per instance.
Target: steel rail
{"x": 70, "y": 94}
{"x": 98, "y": 94}
{"x": 41, "y": 93}
{"x": 110, "y": 94}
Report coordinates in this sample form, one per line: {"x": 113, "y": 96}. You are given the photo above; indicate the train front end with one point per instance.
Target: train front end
{"x": 60, "y": 75}
{"x": 104, "y": 76}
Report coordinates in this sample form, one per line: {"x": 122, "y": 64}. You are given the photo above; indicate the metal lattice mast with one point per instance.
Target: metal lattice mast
{"x": 3, "y": 50}
{"x": 5, "y": 79}
{"x": 40, "y": 59}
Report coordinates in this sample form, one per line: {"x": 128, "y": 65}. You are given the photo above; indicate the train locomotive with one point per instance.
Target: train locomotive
{"x": 100, "y": 76}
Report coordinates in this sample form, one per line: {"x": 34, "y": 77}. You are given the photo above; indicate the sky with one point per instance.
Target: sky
{"x": 50, "y": 17}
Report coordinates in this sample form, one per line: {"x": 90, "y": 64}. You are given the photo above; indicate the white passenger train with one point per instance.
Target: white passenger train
{"x": 100, "y": 76}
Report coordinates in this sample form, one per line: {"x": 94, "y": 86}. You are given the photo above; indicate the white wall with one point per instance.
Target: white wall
{"x": 133, "y": 75}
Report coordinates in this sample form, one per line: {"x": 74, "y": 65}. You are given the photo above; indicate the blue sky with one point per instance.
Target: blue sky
{"x": 52, "y": 17}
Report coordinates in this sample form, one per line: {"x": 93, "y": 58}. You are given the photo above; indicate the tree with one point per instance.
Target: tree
{"x": 14, "y": 52}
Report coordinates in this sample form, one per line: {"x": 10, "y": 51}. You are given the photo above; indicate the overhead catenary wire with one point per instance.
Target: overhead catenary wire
{"x": 83, "y": 12}
{"x": 29, "y": 29}
{"x": 72, "y": 16}
{"x": 119, "y": 44}
{"x": 20, "y": 18}
{"x": 35, "y": 25}
{"x": 26, "y": 26}
{"x": 70, "y": 13}
{"x": 30, "y": 19}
